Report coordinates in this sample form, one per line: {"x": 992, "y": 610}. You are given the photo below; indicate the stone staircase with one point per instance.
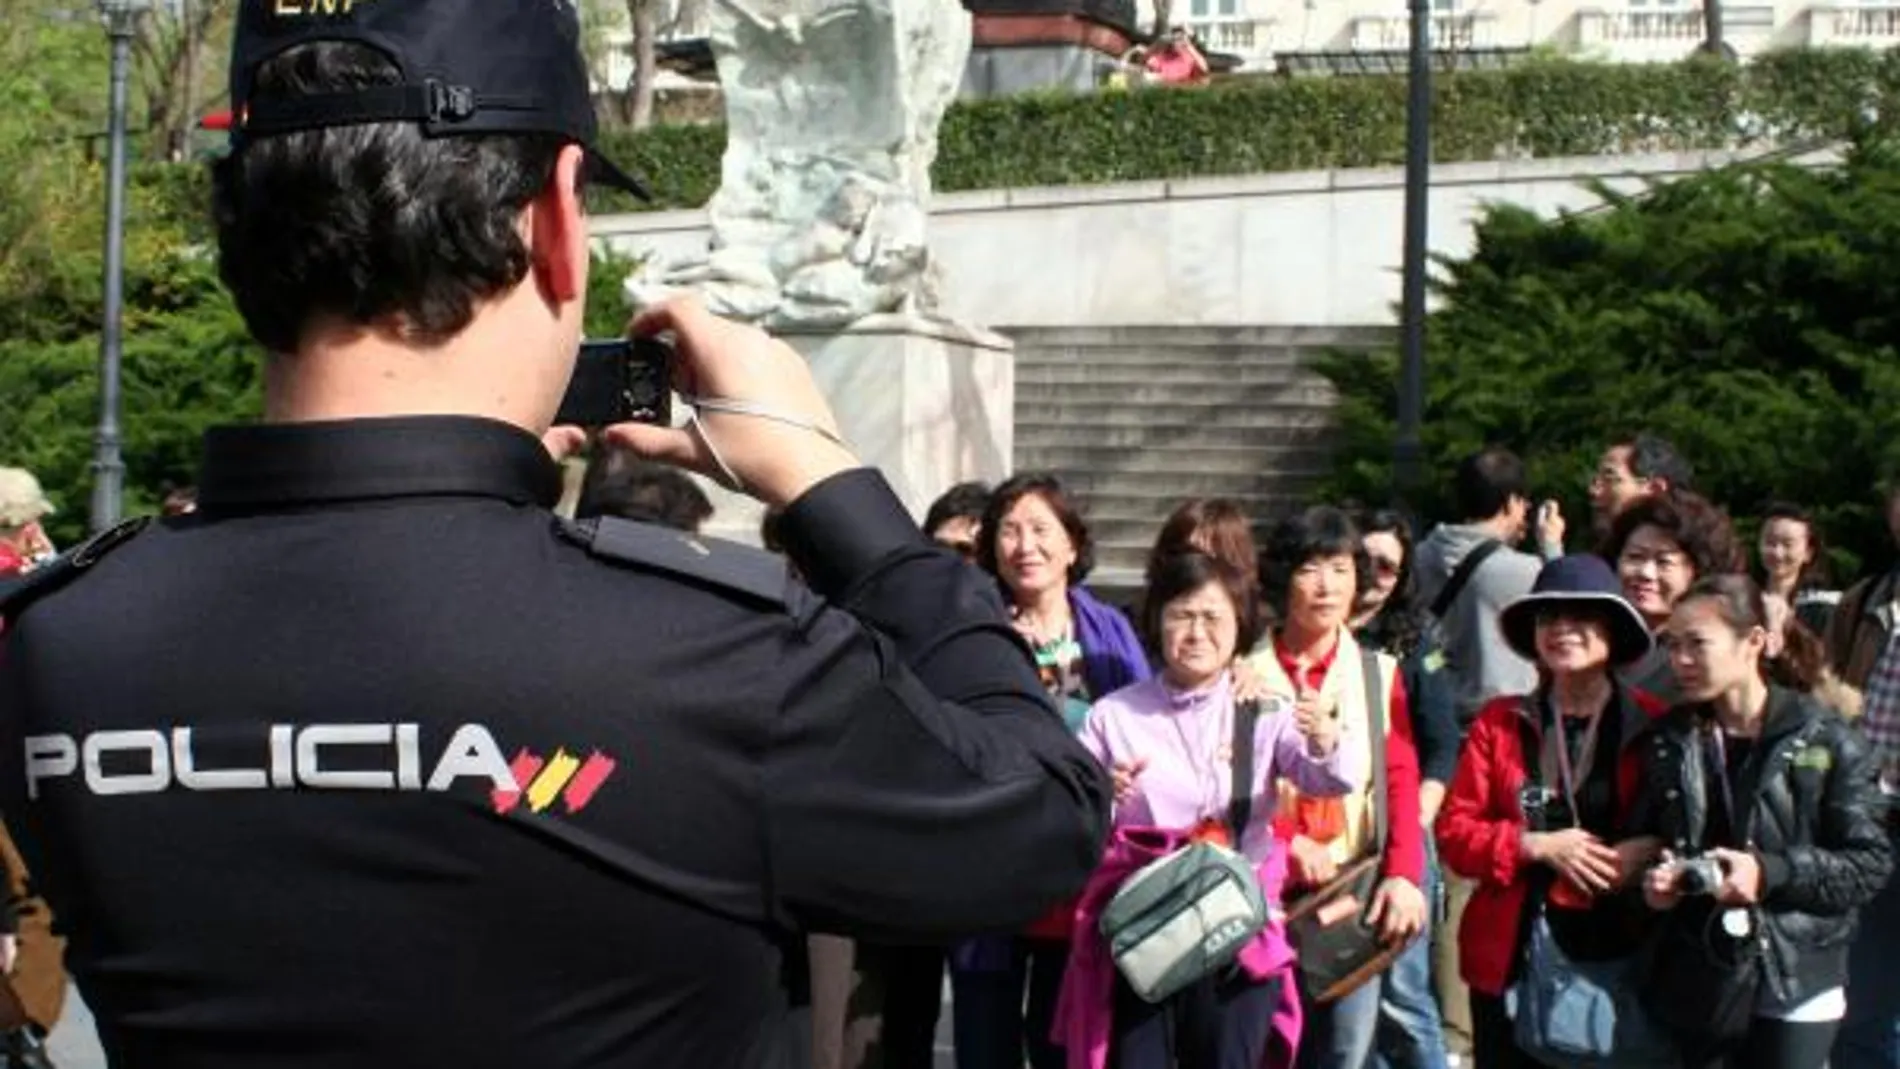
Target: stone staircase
{"x": 1136, "y": 419}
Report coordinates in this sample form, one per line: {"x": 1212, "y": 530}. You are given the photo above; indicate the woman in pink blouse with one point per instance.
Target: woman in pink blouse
{"x": 1169, "y": 742}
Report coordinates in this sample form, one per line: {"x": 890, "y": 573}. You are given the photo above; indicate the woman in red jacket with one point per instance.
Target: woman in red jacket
{"x": 1535, "y": 806}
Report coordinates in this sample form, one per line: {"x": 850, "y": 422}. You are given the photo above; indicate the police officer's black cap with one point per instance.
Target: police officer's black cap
{"x": 468, "y": 67}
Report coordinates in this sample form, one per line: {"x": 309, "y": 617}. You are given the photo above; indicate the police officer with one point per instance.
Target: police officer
{"x": 373, "y": 762}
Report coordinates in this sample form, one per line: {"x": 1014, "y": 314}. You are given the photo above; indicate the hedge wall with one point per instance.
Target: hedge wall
{"x": 1541, "y": 108}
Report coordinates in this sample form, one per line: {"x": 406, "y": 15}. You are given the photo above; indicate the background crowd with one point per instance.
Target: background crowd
{"x": 1627, "y": 745}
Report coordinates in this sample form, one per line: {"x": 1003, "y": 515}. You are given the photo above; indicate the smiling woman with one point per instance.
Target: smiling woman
{"x": 1542, "y": 789}
{"x": 1660, "y": 545}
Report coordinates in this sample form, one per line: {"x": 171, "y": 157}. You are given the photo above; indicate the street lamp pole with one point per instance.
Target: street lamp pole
{"x": 108, "y": 466}
{"x": 1408, "y": 450}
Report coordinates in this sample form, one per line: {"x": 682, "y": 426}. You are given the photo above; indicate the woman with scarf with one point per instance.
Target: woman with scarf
{"x": 1034, "y": 542}
{"x": 1170, "y": 742}
{"x": 1312, "y": 571}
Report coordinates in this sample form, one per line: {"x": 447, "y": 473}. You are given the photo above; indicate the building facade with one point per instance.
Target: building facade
{"x": 1279, "y": 34}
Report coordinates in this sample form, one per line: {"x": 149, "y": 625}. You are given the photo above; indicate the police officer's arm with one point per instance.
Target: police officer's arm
{"x": 918, "y": 783}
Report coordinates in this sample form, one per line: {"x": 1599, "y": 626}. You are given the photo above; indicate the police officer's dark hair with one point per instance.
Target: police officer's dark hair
{"x": 1046, "y": 486}
{"x": 1486, "y": 482}
{"x": 618, "y": 483}
{"x": 372, "y": 222}
{"x": 1655, "y": 457}
{"x": 962, "y": 501}
{"x": 1180, "y": 574}
{"x": 1320, "y": 531}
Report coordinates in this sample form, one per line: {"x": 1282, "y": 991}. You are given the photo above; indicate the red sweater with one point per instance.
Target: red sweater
{"x": 1481, "y": 829}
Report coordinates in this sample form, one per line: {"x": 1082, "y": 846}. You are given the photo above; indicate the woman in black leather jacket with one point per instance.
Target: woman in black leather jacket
{"x": 1767, "y": 802}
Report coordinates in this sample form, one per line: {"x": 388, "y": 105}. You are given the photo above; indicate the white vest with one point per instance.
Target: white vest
{"x": 1345, "y": 683}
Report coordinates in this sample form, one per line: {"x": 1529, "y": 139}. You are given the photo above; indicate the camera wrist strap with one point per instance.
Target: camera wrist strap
{"x": 735, "y": 407}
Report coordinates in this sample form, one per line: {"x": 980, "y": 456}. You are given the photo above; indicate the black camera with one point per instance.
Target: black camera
{"x": 622, "y": 380}
{"x": 1698, "y": 875}
{"x": 1539, "y": 806}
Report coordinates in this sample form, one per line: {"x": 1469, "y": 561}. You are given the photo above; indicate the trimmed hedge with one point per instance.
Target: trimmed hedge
{"x": 1541, "y": 108}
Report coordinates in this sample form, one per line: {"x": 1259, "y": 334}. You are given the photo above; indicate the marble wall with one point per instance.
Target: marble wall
{"x": 1316, "y": 248}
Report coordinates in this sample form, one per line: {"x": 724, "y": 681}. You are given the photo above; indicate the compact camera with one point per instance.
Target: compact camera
{"x": 1698, "y": 875}
{"x": 622, "y": 380}
{"x": 1540, "y": 807}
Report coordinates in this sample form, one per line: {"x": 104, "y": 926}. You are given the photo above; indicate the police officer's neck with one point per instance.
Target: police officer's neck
{"x": 349, "y": 371}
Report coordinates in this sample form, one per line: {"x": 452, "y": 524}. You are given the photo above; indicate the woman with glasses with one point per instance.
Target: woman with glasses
{"x": 1389, "y": 619}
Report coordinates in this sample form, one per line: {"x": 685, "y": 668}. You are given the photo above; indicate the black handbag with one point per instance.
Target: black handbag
{"x": 1338, "y": 950}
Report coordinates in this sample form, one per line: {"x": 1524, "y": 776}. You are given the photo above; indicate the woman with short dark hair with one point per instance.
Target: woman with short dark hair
{"x": 1034, "y": 541}
{"x": 1170, "y": 744}
{"x": 1312, "y": 571}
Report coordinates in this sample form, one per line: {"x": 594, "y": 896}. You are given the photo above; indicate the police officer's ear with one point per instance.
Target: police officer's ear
{"x": 557, "y": 231}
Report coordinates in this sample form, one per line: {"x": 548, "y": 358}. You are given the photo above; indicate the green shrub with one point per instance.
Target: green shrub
{"x": 1542, "y": 108}
{"x": 1750, "y": 314}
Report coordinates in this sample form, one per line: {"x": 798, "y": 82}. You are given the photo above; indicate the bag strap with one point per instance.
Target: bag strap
{"x": 1461, "y": 575}
{"x": 1240, "y": 801}
{"x": 1376, "y": 712}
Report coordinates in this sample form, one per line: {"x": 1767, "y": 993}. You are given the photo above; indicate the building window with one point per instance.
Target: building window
{"x": 1214, "y": 9}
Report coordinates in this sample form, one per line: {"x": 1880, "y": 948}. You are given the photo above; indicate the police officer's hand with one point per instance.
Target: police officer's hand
{"x": 774, "y": 461}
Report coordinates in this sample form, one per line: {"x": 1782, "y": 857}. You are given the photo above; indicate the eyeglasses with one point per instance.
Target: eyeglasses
{"x": 1386, "y": 566}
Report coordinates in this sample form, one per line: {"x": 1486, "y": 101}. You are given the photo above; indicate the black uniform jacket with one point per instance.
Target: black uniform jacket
{"x": 374, "y": 762}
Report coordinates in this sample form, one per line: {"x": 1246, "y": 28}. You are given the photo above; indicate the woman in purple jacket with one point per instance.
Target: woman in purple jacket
{"x": 1169, "y": 742}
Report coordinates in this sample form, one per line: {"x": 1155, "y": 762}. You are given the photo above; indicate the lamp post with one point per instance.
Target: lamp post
{"x": 1407, "y": 450}
{"x": 108, "y": 467}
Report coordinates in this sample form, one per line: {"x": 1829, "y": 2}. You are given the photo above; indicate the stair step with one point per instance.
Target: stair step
{"x": 1223, "y": 356}
{"x": 1041, "y": 377}
{"x": 1208, "y": 459}
{"x": 1184, "y": 400}
{"x": 1031, "y": 437}
{"x": 1184, "y": 483}
{"x": 1204, "y": 336}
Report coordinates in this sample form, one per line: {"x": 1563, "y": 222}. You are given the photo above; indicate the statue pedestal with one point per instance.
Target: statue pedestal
{"x": 929, "y": 403}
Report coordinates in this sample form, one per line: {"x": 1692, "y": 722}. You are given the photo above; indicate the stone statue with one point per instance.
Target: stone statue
{"x": 832, "y": 109}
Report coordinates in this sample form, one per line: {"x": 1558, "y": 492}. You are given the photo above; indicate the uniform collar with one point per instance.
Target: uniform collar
{"x": 286, "y": 464}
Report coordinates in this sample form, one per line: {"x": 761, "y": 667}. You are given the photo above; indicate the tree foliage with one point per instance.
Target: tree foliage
{"x": 1750, "y": 314}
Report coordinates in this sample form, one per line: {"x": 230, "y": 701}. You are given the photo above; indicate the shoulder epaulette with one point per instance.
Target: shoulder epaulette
{"x": 22, "y": 591}
{"x": 707, "y": 561}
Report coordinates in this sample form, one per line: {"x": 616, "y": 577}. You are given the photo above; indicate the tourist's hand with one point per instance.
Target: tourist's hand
{"x": 1660, "y": 887}
{"x": 1322, "y": 732}
{"x": 1741, "y": 877}
{"x": 1633, "y": 856}
{"x": 718, "y": 358}
{"x": 1576, "y": 855}
{"x": 1310, "y": 864}
{"x": 1550, "y": 527}
{"x": 1398, "y": 910}
{"x": 1249, "y": 685}
{"x": 1125, "y": 773}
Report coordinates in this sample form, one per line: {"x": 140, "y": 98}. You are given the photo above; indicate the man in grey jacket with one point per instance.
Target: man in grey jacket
{"x": 1493, "y": 497}
{"x": 1478, "y": 555}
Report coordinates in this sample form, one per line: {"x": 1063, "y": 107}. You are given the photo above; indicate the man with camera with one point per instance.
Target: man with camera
{"x": 371, "y": 760}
